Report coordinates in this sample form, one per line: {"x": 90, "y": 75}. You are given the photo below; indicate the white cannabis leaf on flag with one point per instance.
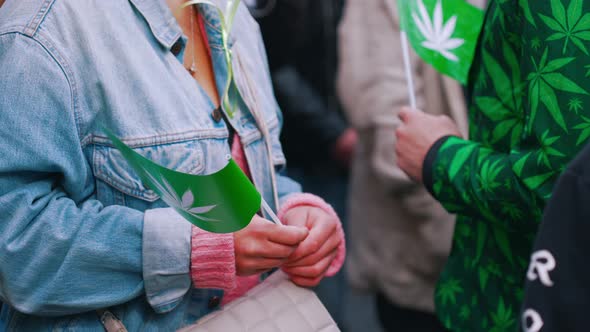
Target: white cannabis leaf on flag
{"x": 185, "y": 203}
{"x": 437, "y": 33}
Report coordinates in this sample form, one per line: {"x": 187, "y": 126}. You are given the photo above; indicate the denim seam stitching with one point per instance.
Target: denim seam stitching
{"x": 46, "y": 45}
{"x": 99, "y": 158}
{"x": 68, "y": 73}
{"x": 16, "y": 28}
{"x": 169, "y": 138}
{"x": 33, "y": 26}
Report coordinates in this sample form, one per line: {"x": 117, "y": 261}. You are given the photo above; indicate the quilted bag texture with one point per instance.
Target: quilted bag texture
{"x": 275, "y": 305}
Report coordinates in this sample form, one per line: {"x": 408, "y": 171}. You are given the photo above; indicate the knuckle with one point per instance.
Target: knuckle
{"x": 241, "y": 266}
{"x": 314, "y": 246}
{"x": 333, "y": 224}
{"x": 285, "y": 252}
{"x": 251, "y": 248}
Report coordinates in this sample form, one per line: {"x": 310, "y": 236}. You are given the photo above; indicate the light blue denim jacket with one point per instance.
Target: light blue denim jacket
{"x": 78, "y": 230}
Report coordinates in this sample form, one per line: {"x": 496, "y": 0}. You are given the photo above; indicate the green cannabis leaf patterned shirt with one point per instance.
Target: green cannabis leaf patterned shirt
{"x": 529, "y": 112}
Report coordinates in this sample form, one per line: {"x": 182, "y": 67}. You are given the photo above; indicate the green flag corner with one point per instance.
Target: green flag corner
{"x": 222, "y": 202}
{"x": 443, "y": 33}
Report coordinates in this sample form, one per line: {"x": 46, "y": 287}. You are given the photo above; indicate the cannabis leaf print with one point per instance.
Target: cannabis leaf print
{"x": 184, "y": 203}
{"x": 438, "y": 34}
{"x": 524, "y": 4}
{"x": 585, "y": 128}
{"x": 575, "y": 105}
{"x": 546, "y": 142}
{"x": 528, "y": 97}
{"x": 489, "y": 173}
{"x": 545, "y": 80}
{"x": 465, "y": 312}
{"x": 571, "y": 26}
{"x": 503, "y": 319}
{"x": 535, "y": 43}
{"x": 448, "y": 291}
{"x": 507, "y": 112}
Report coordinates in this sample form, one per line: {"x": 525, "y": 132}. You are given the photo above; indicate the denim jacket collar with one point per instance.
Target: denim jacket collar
{"x": 164, "y": 27}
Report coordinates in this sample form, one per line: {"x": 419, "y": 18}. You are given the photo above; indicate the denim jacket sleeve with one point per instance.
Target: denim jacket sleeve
{"x": 61, "y": 251}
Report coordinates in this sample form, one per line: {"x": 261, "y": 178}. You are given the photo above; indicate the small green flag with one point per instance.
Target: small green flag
{"x": 222, "y": 202}
{"x": 443, "y": 33}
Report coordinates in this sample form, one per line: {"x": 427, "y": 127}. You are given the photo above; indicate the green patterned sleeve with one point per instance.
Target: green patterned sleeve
{"x": 529, "y": 113}
{"x": 472, "y": 180}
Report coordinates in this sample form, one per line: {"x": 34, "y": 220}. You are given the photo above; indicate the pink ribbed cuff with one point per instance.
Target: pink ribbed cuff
{"x": 243, "y": 284}
{"x": 296, "y": 200}
{"x": 213, "y": 262}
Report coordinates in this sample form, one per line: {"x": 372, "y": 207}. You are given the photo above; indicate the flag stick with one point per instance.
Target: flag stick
{"x": 407, "y": 66}
{"x": 270, "y": 212}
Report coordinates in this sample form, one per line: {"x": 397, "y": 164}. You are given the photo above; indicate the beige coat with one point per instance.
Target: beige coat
{"x": 400, "y": 236}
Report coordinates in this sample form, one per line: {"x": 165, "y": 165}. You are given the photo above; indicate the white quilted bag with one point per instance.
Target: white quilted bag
{"x": 275, "y": 305}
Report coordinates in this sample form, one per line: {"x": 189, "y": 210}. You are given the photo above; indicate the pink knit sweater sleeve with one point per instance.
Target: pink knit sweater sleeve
{"x": 212, "y": 260}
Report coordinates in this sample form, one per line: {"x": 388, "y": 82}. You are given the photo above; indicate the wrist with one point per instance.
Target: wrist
{"x": 428, "y": 163}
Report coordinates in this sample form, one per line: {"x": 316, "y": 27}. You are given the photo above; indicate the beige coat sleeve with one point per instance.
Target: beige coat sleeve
{"x": 371, "y": 81}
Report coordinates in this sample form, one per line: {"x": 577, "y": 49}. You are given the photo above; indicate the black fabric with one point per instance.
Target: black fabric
{"x": 394, "y": 318}
{"x": 301, "y": 41}
{"x": 428, "y": 163}
{"x": 310, "y": 130}
{"x": 564, "y": 234}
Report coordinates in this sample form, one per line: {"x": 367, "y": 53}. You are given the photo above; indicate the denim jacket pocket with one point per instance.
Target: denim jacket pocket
{"x": 119, "y": 184}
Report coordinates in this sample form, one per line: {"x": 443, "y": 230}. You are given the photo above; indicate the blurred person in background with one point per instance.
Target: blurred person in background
{"x": 300, "y": 39}
{"x": 400, "y": 236}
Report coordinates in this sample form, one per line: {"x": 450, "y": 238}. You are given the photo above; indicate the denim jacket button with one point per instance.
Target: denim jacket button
{"x": 216, "y": 114}
{"x": 214, "y": 302}
{"x": 177, "y": 47}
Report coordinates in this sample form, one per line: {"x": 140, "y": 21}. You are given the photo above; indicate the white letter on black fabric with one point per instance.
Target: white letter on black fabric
{"x": 542, "y": 262}
{"x": 535, "y": 319}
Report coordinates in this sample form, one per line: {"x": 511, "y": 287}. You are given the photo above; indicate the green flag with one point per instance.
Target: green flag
{"x": 443, "y": 33}
{"x": 222, "y": 202}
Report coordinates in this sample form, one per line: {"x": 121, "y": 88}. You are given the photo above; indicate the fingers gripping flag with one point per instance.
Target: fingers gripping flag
{"x": 443, "y": 33}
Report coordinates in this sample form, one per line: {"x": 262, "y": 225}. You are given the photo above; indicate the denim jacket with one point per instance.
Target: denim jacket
{"x": 78, "y": 230}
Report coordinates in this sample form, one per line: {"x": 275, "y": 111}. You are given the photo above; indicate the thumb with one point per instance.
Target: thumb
{"x": 287, "y": 235}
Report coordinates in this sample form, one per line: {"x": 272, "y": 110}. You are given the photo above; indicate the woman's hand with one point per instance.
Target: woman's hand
{"x": 262, "y": 245}
{"x": 307, "y": 266}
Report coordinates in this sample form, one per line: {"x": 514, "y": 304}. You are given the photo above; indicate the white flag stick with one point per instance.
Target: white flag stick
{"x": 270, "y": 212}
{"x": 407, "y": 66}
